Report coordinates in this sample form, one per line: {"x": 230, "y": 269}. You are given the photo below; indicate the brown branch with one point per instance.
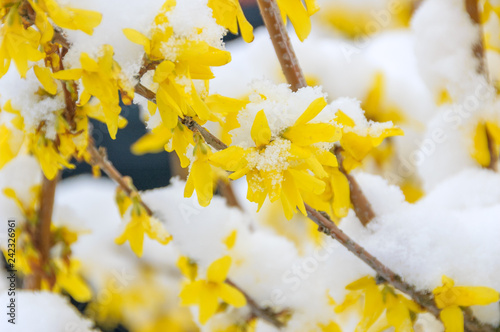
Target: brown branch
{"x": 281, "y": 42}
{"x": 493, "y": 151}
{"x": 478, "y": 48}
{"x": 226, "y": 190}
{"x": 264, "y": 313}
{"x": 99, "y": 158}
{"x": 42, "y": 237}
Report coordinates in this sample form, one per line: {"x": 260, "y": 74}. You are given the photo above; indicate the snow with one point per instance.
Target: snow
{"x": 35, "y": 108}
{"x": 57, "y": 314}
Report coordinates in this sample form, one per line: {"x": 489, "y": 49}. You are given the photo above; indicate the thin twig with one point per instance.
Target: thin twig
{"x": 226, "y": 190}
{"x": 99, "y": 158}
{"x": 282, "y": 45}
{"x": 265, "y": 313}
{"x": 187, "y": 120}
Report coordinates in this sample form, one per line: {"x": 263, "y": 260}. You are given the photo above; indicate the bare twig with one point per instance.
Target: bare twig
{"x": 100, "y": 159}
{"x": 264, "y": 313}
{"x": 282, "y": 45}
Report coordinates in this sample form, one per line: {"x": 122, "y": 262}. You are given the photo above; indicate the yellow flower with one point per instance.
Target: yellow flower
{"x": 298, "y": 15}
{"x": 356, "y": 146}
{"x": 141, "y": 223}
{"x": 229, "y": 14}
{"x": 225, "y": 111}
{"x": 281, "y": 167}
{"x": 48, "y": 155}
{"x": 11, "y": 140}
{"x": 69, "y": 280}
{"x": 379, "y": 298}
{"x": 18, "y": 44}
{"x": 188, "y": 267}
{"x": 450, "y": 298}
{"x": 330, "y": 327}
{"x": 102, "y": 79}
{"x": 69, "y": 18}
{"x": 484, "y": 131}
{"x": 201, "y": 176}
{"x": 206, "y": 292}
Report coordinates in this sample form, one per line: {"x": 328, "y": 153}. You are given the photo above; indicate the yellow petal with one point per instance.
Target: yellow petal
{"x": 208, "y": 304}
{"x": 310, "y": 113}
{"x": 44, "y": 75}
{"x": 453, "y": 319}
{"x": 230, "y": 240}
{"x": 229, "y": 159}
{"x": 187, "y": 267}
{"x": 341, "y": 193}
{"x": 232, "y": 296}
{"x": 218, "y": 270}
{"x": 163, "y": 70}
{"x": 311, "y": 133}
{"x": 136, "y": 37}
{"x": 68, "y": 74}
{"x": 260, "y": 132}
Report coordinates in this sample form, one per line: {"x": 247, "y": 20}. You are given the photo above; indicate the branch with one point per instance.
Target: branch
{"x": 99, "y": 158}
{"x": 478, "y": 47}
{"x": 282, "y": 45}
{"x": 264, "y": 313}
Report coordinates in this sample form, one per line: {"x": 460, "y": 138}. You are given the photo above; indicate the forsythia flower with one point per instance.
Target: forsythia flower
{"x": 486, "y": 131}
{"x": 298, "y": 15}
{"x": 102, "y": 79}
{"x": 201, "y": 175}
{"x": 229, "y": 14}
{"x": 279, "y": 167}
{"x": 356, "y": 146}
{"x": 18, "y": 44}
{"x": 450, "y": 298}
{"x": 139, "y": 225}
{"x": 377, "y": 299}
{"x": 11, "y": 136}
{"x": 68, "y": 279}
{"x": 207, "y": 292}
